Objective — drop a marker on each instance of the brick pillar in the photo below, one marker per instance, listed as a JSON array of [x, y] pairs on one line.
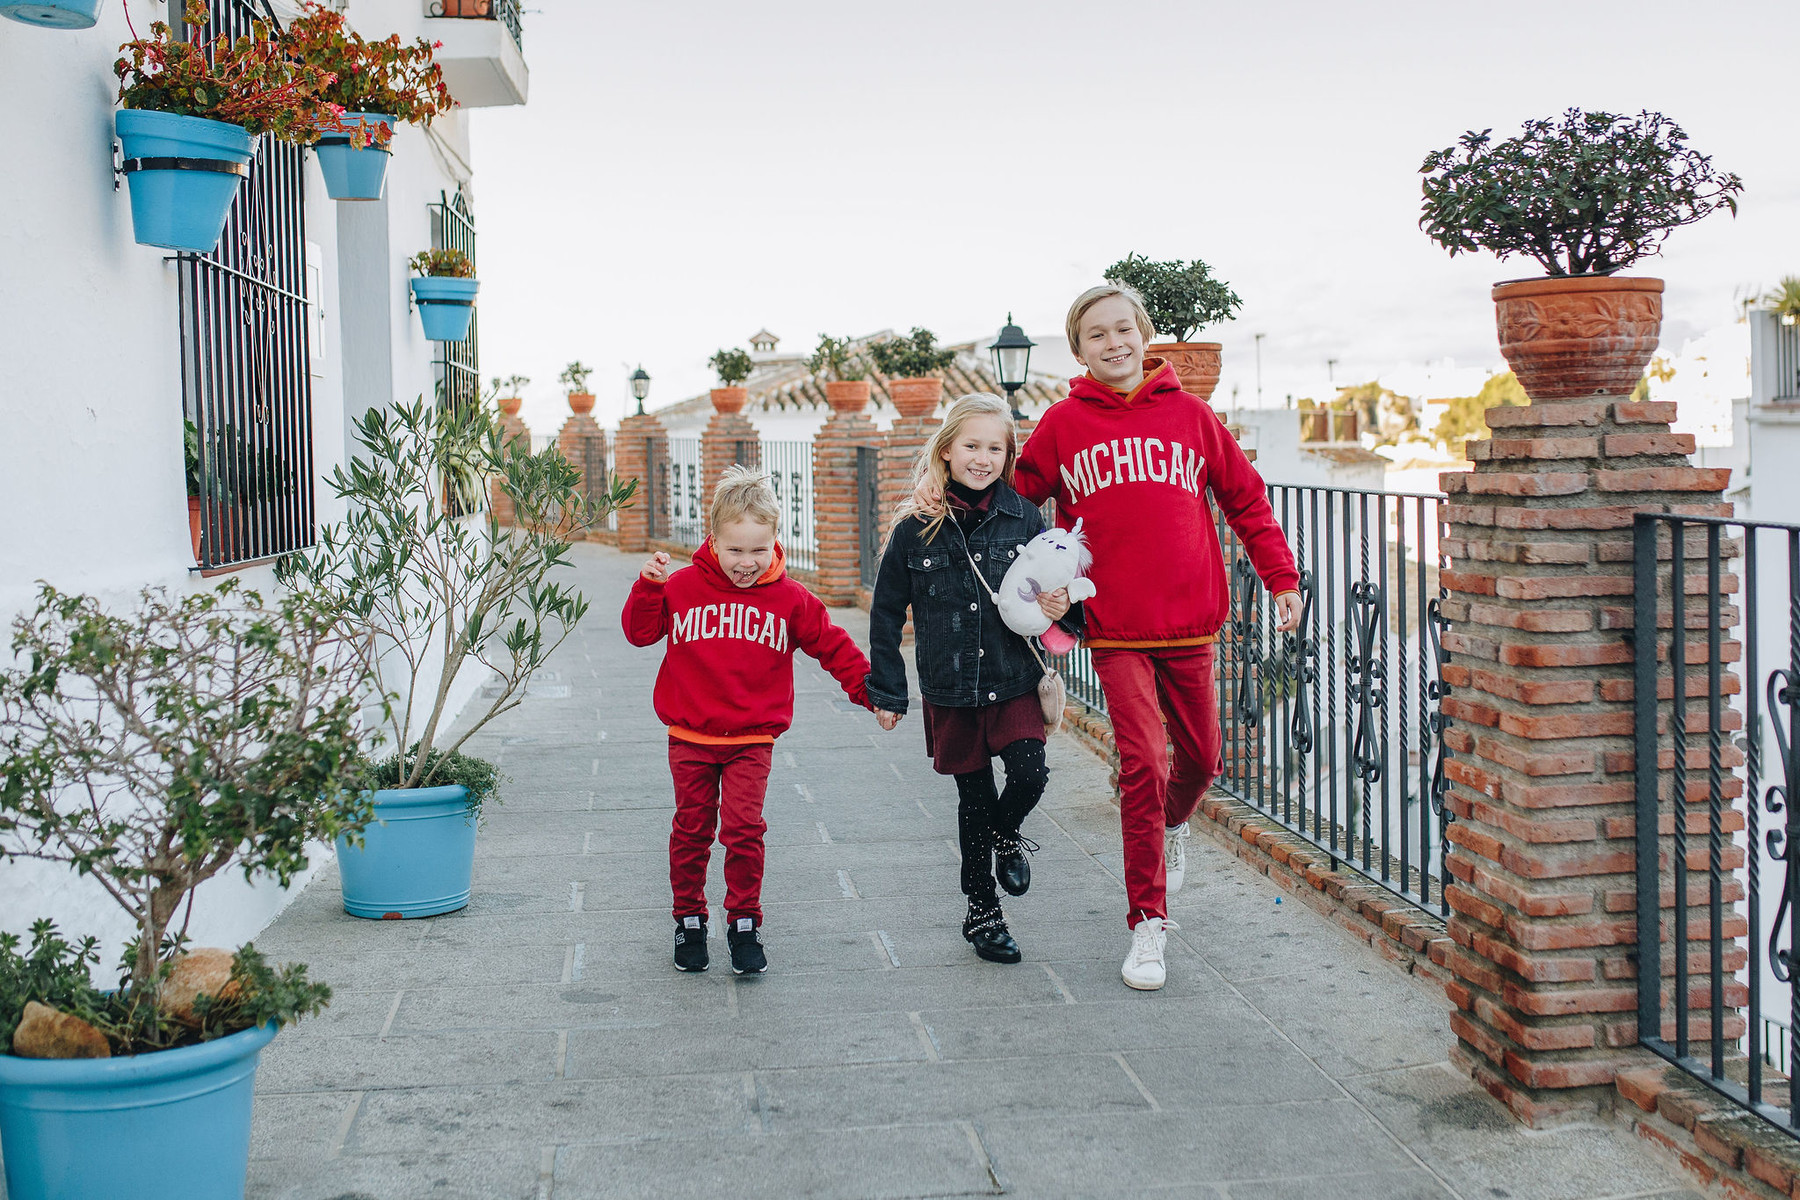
[[1542, 858], [636, 438], [512, 429], [836, 509], [916, 402], [729, 437], [580, 439]]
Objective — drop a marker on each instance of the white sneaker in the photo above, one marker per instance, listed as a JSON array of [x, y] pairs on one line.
[[1175, 857], [1144, 969]]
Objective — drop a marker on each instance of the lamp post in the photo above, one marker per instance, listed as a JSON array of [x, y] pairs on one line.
[[1012, 355], [640, 387], [1259, 338]]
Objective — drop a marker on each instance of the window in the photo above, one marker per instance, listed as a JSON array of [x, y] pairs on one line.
[[458, 364]]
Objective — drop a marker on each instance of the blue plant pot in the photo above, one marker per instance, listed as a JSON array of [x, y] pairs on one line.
[[55, 14], [417, 858], [352, 173], [182, 175], [446, 306], [172, 1125]]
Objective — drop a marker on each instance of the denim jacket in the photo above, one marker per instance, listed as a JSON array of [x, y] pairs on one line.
[[966, 655]]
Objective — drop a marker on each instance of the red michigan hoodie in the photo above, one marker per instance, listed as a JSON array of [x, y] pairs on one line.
[[1135, 470], [728, 674]]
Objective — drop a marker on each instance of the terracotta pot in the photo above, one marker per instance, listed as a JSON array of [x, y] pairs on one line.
[[1579, 335], [730, 399], [468, 8], [1196, 364], [847, 396], [510, 405], [916, 397], [581, 403], [194, 524]]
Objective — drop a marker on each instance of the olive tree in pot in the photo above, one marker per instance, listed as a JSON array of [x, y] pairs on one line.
[[150, 752], [846, 376], [1585, 195], [732, 367], [424, 584], [912, 365], [1181, 299]]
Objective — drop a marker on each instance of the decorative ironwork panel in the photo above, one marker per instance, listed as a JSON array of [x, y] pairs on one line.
[[457, 365], [789, 465], [868, 513], [685, 518]]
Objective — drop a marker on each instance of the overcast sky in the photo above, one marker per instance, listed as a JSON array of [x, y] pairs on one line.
[[687, 173]]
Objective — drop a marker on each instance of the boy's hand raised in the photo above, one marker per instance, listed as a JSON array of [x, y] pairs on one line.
[[656, 569], [886, 719]]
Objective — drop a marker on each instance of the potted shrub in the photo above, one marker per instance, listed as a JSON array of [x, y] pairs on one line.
[[191, 113], [420, 591], [845, 375], [445, 290], [1586, 196], [509, 393], [912, 364], [1182, 299], [150, 752], [574, 379], [733, 367], [375, 84]]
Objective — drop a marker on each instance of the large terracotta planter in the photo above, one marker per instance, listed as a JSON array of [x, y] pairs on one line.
[[847, 396], [580, 403], [916, 397], [510, 405], [730, 399], [1196, 364], [1578, 335]]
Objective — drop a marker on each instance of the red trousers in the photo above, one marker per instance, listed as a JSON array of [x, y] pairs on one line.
[[718, 788], [1143, 689]]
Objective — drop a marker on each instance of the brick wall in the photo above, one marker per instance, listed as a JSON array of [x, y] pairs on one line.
[[637, 434], [729, 437], [836, 508]]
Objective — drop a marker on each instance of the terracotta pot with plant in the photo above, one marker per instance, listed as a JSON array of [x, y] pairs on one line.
[[1182, 299], [912, 365], [845, 375], [732, 368], [1586, 196], [509, 393], [574, 379]]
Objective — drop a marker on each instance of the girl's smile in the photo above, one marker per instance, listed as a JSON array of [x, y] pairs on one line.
[[978, 454]]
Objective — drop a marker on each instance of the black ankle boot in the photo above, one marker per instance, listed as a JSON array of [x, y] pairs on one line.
[[1011, 867], [985, 929]]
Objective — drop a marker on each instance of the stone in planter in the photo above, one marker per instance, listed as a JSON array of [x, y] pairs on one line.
[[44, 1032], [203, 971], [1571, 336]]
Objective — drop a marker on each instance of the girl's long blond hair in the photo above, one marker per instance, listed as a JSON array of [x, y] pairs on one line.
[[931, 473]]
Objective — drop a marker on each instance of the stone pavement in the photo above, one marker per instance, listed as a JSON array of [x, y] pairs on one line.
[[540, 1045]]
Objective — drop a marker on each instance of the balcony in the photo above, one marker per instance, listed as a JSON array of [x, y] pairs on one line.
[[480, 51]]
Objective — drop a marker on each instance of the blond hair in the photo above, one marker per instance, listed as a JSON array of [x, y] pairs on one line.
[[744, 492], [1093, 296], [931, 473]]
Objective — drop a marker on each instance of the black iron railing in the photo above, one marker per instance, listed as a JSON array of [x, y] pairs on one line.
[[868, 514], [245, 354], [1706, 1000], [505, 11], [684, 492], [789, 465], [1334, 730], [457, 365]]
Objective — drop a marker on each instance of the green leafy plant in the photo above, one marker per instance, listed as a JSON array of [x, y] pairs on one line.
[[386, 76], [238, 466], [190, 455], [480, 777], [418, 589], [1181, 298], [195, 734], [1784, 298], [836, 359], [574, 377], [1590, 193], [501, 387], [732, 366], [441, 262], [912, 357], [253, 81]]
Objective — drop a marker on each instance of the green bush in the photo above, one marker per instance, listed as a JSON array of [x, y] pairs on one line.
[[835, 359], [1181, 298], [479, 776], [912, 357], [733, 366]]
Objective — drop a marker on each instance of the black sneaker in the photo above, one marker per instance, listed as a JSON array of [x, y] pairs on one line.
[[747, 957], [1011, 867], [690, 944], [985, 929]]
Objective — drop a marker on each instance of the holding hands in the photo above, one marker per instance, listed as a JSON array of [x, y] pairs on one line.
[[886, 719], [656, 568]]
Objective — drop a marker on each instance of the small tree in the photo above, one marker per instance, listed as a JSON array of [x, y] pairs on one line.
[[836, 359], [912, 357], [733, 366], [501, 387], [1589, 194], [1181, 298], [1465, 416], [416, 585], [574, 377], [154, 750]]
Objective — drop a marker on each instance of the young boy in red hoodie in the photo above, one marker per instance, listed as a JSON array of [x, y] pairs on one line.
[[1132, 456], [726, 692]]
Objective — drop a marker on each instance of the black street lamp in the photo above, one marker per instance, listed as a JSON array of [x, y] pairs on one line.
[[1012, 354], [640, 386]]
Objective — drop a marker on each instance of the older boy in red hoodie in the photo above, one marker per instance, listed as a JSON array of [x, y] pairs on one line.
[[1132, 456], [726, 692]]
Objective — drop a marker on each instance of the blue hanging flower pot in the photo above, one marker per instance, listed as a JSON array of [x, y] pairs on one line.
[[54, 14], [417, 857], [446, 306], [352, 172], [183, 173]]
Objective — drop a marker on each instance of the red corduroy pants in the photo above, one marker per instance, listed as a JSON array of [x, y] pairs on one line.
[[718, 788], [1143, 688]]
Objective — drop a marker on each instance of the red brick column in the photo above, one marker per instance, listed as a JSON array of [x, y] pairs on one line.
[[636, 436], [512, 429], [722, 443], [1543, 898], [916, 401], [580, 437], [836, 505]]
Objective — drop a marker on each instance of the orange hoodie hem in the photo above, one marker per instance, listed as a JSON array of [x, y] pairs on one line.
[[707, 739]]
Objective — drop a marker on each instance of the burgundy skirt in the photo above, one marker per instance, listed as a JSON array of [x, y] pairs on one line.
[[960, 740]]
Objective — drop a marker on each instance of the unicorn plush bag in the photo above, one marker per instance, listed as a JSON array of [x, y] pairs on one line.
[[1053, 559]]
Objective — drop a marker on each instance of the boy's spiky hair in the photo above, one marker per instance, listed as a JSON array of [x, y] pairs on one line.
[[1093, 296], [744, 492]]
